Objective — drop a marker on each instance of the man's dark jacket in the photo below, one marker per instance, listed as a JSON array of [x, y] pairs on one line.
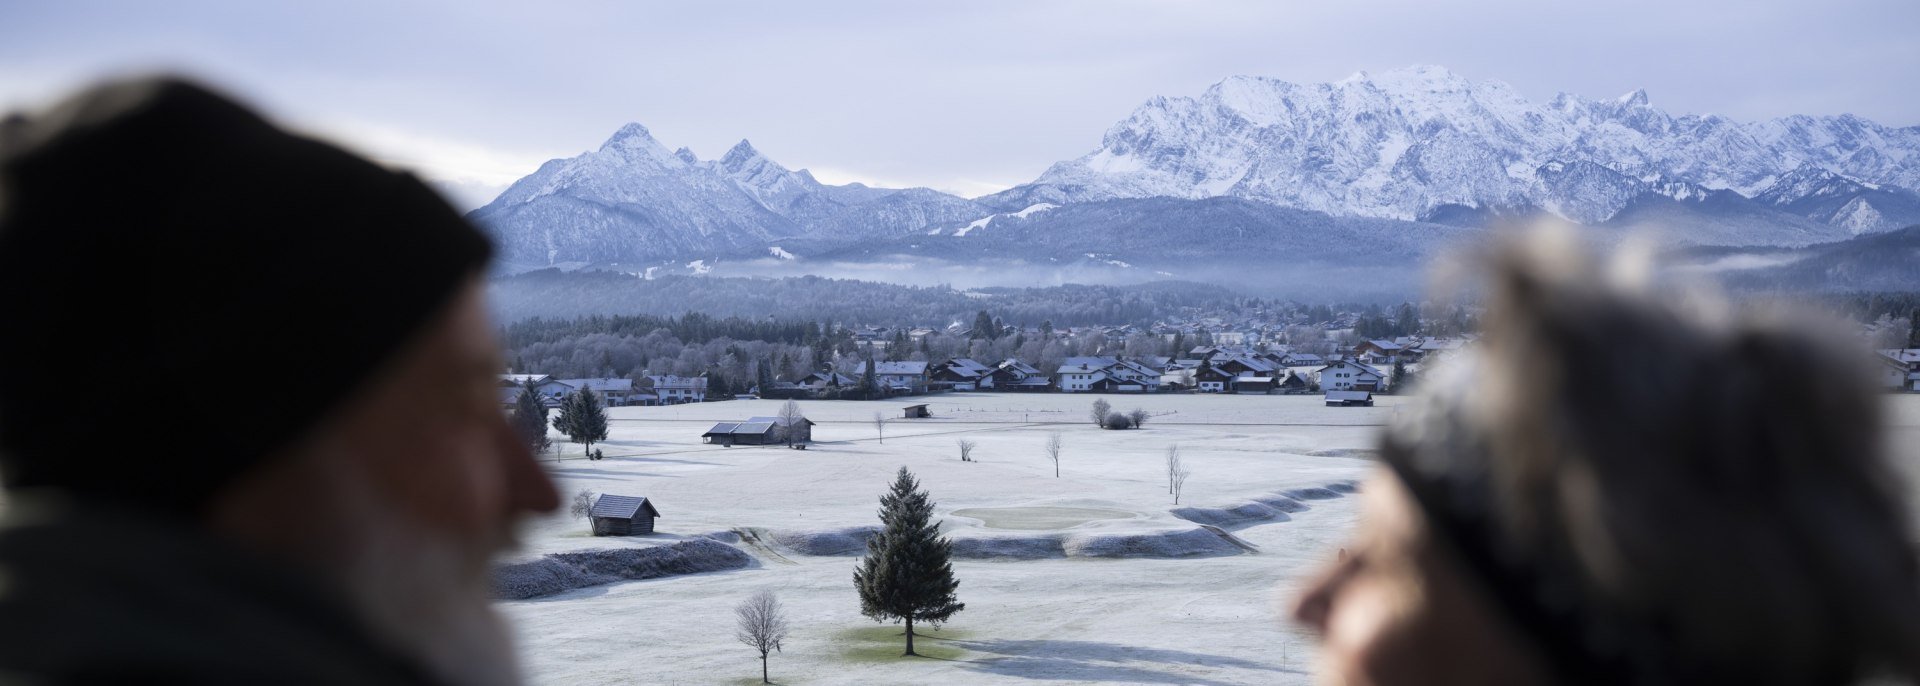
[[100, 595]]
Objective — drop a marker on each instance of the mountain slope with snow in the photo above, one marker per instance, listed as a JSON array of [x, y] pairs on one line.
[[1406, 143], [633, 202]]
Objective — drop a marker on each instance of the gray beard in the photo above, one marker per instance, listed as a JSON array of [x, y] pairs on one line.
[[424, 594]]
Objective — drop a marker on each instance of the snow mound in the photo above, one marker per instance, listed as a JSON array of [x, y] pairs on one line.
[[562, 572], [848, 541], [1316, 493], [1009, 547], [1231, 517], [1164, 544], [723, 536], [1261, 509], [1281, 503]]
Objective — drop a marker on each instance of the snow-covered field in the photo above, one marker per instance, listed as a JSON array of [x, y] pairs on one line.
[[1068, 600], [1120, 590]]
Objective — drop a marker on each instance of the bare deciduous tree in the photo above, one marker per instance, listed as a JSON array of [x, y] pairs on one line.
[[1173, 465], [763, 626], [582, 504], [790, 416], [1053, 452], [880, 426], [966, 449], [1100, 411], [1180, 473], [1138, 416]]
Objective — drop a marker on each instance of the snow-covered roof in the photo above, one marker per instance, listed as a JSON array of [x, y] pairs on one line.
[[898, 368], [776, 421], [622, 506], [601, 385]]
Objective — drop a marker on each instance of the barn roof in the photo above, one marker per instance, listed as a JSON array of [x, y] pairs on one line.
[[776, 421], [622, 506], [722, 428]]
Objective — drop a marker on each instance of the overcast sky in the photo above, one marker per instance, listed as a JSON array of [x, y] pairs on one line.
[[966, 97]]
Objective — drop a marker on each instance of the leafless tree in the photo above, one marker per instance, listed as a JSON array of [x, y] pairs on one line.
[[790, 417], [966, 450], [1100, 411], [763, 626], [880, 426], [1138, 416], [1186, 379], [1180, 474], [1173, 465], [1053, 452], [582, 504]]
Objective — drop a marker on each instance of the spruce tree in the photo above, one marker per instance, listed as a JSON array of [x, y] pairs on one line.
[[869, 384], [582, 419], [907, 574], [530, 419]]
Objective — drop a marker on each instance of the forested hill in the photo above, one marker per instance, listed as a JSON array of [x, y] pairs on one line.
[[551, 293]]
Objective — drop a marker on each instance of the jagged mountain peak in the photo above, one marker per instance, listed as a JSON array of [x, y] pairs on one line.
[[633, 143], [1636, 98], [686, 155], [743, 157]]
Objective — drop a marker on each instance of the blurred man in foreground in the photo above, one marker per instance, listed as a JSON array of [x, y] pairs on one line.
[[248, 431], [1620, 489]]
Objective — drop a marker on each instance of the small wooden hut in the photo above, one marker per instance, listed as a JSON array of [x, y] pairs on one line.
[[622, 515], [917, 412]]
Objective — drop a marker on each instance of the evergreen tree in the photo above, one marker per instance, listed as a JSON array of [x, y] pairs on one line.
[[982, 326], [907, 574], [869, 384], [582, 419], [530, 419], [1402, 379], [1913, 329]]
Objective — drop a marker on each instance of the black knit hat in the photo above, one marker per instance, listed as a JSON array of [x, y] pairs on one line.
[[185, 289]]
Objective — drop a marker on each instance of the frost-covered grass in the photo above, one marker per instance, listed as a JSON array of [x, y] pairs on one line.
[[1149, 598], [1088, 577]]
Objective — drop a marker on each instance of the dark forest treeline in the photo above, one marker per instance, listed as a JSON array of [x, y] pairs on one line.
[[554, 294]]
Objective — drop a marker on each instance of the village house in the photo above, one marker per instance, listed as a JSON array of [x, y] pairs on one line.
[[611, 392], [678, 390], [1014, 375], [1900, 369], [549, 389], [903, 376], [760, 431], [622, 515], [1105, 375], [1350, 375], [1378, 351], [961, 374]]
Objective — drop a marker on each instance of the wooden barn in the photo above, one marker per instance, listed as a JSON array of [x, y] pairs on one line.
[[1349, 399], [759, 431], [916, 412], [622, 515]]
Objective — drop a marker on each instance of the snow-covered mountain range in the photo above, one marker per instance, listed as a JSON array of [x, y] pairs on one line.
[[634, 202], [1419, 146], [1416, 142]]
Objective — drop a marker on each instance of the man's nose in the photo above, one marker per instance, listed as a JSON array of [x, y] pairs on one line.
[[530, 488]]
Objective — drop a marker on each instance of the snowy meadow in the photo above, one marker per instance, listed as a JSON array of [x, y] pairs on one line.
[[1092, 576]]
